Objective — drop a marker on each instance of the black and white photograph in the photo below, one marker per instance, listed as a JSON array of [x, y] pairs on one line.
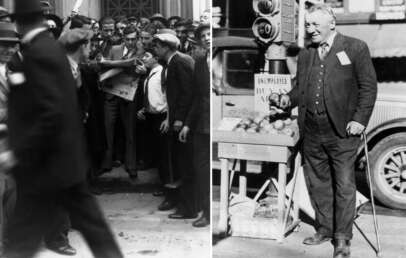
[[308, 128], [105, 128]]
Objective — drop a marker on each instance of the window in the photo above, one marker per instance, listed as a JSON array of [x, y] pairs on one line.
[[137, 8]]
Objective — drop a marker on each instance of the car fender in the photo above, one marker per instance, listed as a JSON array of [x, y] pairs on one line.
[[377, 133]]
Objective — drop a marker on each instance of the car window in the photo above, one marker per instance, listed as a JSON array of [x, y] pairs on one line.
[[239, 67]]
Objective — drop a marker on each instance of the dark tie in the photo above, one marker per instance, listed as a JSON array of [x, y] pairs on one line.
[[323, 50], [163, 78]]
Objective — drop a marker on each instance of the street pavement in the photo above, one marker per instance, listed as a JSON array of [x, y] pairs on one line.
[[392, 228], [139, 228]]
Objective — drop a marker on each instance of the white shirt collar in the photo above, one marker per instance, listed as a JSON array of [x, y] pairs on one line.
[[73, 63], [330, 39], [28, 37], [156, 69]]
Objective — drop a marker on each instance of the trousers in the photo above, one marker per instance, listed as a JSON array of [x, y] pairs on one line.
[[33, 213], [329, 166]]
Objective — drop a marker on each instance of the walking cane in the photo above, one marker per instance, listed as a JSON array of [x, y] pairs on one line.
[[377, 249]]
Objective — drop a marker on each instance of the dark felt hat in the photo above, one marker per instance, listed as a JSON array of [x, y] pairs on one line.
[[8, 32], [159, 17], [26, 7]]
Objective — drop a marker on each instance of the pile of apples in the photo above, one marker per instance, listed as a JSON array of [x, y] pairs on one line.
[[266, 125]]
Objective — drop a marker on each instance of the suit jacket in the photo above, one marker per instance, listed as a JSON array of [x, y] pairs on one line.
[[179, 87], [46, 134], [350, 90], [198, 118]]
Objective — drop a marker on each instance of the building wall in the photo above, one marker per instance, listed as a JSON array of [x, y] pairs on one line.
[[93, 8]]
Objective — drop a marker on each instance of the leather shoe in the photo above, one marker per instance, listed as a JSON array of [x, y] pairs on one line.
[[178, 215], [133, 174], [201, 222], [317, 239], [166, 206], [342, 248], [65, 249], [158, 193]]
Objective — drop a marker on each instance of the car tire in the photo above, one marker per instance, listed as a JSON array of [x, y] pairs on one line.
[[388, 170]]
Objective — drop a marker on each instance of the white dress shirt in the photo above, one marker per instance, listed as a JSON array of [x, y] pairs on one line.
[[156, 98]]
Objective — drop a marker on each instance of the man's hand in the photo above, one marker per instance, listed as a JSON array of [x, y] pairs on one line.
[[274, 99], [355, 128], [141, 114], [284, 101], [164, 126], [177, 125], [183, 134], [141, 69], [7, 160]]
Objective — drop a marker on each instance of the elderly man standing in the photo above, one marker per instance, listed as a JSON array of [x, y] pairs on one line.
[[335, 94], [47, 153]]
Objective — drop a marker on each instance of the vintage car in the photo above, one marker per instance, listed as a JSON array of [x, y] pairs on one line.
[[236, 59]]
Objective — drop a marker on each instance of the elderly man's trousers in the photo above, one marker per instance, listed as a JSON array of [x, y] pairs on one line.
[[330, 175]]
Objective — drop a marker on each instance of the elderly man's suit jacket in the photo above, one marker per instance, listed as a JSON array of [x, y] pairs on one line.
[[179, 86], [45, 130], [350, 90]]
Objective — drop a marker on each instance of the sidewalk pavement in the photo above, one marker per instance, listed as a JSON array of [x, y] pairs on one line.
[[139, 228]]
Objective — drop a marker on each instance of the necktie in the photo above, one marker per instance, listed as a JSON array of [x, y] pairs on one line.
[[163, 78], [323, 50]]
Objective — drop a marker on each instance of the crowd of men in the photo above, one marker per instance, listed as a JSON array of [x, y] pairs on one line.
[[80, 97]]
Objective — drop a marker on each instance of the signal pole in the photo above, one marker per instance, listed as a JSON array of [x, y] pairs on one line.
[[274, 26]]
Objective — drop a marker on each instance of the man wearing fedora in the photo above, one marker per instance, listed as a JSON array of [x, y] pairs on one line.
[[8, 46], [47, 153], [177, 81]]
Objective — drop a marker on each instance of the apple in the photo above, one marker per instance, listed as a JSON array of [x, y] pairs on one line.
[[288, 131], [287, 121], [278, 124]]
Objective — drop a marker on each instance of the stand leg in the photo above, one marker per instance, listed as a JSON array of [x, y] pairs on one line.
[[223, 220], [243, 178], [282, 171]]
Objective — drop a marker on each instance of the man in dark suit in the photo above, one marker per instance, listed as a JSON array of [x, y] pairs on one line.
[[336, 92], [47, 153], [178, 85], [198, 121]]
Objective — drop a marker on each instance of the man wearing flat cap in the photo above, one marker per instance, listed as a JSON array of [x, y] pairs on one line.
[[178, 85], [46, 144]]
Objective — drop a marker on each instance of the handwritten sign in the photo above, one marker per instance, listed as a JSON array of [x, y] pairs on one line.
[[265, 85]]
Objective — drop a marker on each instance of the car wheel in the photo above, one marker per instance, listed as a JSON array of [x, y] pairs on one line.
[[388, 170]]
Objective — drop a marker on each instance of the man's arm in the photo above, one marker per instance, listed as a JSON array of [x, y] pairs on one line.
[[184, 71], [367, 85]]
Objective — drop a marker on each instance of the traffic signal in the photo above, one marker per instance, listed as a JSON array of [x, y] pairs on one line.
[[276, 20]]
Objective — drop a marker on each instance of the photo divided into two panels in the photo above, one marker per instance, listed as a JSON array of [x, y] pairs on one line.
[[308, 146], [105, 128]]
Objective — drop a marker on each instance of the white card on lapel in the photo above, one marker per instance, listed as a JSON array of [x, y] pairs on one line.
[[343, 58]]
